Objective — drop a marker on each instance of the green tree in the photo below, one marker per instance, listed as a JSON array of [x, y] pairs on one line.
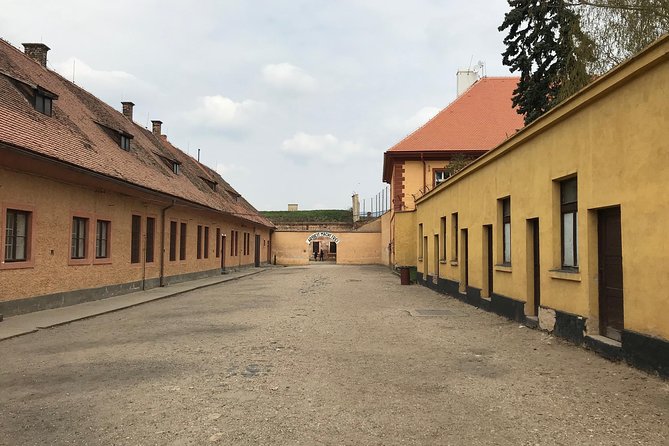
[[546, 45], [621, 28]]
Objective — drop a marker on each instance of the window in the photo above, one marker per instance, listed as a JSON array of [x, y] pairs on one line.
[[442, 235], [440, 175], [333, 247], [182, 242], [232, 243], [176, 167], [218, 242], [16, 236], [173, 241], [247, 243], [43, 103], [236, 243], [420, 241], [199, 241], [79, 229], [102, 239], [506, 230], [150, 238], [206, 242], [454, 236], [135, 240], [125, 142], [569, 222]]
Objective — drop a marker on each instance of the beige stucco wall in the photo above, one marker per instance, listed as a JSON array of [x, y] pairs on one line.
[[53, 205], [354, 248], [615, 138]]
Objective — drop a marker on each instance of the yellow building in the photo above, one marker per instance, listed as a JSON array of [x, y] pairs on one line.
[[93, 204], [560, 226], [480, 118]]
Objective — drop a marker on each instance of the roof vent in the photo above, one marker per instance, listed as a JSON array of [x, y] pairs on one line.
[[127, 109], [157, 127], [37, 52]]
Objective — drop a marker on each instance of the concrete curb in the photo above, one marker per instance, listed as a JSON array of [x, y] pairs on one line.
[[24, 324]]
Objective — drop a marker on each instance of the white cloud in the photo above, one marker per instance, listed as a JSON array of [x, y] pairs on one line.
[[226, 169], [328, 148], [219, 111], [85, 74], [285, 76], [420, 117]]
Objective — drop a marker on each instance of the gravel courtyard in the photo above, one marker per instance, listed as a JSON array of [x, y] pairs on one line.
[[321, 354]]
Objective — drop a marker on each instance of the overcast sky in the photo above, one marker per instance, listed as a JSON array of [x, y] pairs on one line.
[[292, 101]]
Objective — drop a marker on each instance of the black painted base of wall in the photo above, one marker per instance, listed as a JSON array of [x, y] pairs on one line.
[[570, 327], [641, 351], [645, 352], [64, 299]]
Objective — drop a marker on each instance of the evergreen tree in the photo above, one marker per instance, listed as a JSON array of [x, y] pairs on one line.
[[546, 46]]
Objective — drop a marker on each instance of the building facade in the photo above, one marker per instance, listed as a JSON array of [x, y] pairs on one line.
[[480, 118], [560, 226], [95, 205]]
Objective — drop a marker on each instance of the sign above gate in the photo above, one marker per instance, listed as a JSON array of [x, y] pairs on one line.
[[316, 235]]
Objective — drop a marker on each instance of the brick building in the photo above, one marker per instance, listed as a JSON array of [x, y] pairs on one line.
[[95, 205]]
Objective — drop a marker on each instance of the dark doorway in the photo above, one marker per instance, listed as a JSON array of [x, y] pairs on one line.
[[223, 238], [465, 259], [316, 249], [257, 251], [536, 278], [426, 271], [489, 258], [611, 311], [435, 278]]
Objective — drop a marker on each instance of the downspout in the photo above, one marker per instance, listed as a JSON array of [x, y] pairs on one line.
[[162, 244], [424, 173]]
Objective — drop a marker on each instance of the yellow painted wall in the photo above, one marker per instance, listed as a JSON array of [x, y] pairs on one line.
[[354, 248], [53, 205], [615, 137], [405, 237]]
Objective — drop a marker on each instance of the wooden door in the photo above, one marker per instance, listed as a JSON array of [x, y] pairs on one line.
[[611, 311], [435, 279], [465, 258], [426, 271], [223, 252], [536, 265], [489, 258], [257, 251]]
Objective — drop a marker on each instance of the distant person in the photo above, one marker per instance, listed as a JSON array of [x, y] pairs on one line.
[[321, 255], [315, 256]]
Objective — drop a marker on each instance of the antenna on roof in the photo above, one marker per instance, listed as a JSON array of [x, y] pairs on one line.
[[198, 155], [470, 63], [74, 66]]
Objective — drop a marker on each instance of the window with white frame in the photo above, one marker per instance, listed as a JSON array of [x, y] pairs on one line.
[[569, 222]]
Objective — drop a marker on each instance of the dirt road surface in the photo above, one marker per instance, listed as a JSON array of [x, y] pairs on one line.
[[316, 355]]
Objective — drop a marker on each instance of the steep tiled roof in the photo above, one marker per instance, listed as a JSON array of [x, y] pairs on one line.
[[479, 119], [79, 133]]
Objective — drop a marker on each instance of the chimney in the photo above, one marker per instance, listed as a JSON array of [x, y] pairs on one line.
[[157, 127], [355, 208], [37, 52], [127, 109], [466, 78]]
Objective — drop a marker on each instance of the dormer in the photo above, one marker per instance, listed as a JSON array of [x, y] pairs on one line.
[[44, 100], [174, 165], [121, 137], [212, 184]]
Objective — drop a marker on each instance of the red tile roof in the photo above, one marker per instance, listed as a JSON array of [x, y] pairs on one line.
[[78, 134], [479, 119]]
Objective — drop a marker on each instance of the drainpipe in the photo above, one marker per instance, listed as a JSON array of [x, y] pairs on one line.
[[162, 244], [424, 172]]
